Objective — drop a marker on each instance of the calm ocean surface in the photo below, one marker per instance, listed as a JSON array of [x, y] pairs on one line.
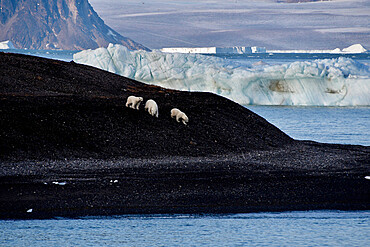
[[345, 125], [348, 125], [311, 228]]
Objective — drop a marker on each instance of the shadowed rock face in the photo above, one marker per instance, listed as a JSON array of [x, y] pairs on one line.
[[57, 24]]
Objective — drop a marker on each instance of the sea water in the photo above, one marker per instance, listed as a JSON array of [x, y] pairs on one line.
[[343, 125], [50, 54], [348, 125], [310, 228]]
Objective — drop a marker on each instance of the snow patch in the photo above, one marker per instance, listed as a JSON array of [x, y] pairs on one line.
[[60, 183], [6, 45], [111, 33]]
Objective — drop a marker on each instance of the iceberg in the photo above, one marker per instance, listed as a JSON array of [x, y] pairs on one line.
[[336, 50], [323, 82], [353, 49], [6, 45], [357, 48]]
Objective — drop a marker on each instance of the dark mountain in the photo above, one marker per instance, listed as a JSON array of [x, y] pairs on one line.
[[56, 24]]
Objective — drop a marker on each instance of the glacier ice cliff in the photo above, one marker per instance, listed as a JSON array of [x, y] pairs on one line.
[[326, 82]]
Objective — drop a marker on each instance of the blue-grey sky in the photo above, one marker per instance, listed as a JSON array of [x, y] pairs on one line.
[[269, 23]]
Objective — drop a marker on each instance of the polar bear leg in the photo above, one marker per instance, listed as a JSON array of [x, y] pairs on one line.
[[129, 103], [153, 112], [137, 105]]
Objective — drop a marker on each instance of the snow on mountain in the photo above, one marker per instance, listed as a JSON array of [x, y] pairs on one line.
[[328, 82], [57, 24], [6, 45]]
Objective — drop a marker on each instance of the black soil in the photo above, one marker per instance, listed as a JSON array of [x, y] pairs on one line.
[[67, 123]]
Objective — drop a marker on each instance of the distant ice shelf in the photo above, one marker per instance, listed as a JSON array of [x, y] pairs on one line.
[[353, 49], [216, 50]]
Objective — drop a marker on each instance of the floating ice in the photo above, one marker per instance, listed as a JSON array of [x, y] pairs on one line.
[[357, 48], [353, 49], [29, 210], [326, 82], [367, 177]]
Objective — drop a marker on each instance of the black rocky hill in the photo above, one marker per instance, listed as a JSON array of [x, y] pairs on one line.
[[70, 147], [57, 109]]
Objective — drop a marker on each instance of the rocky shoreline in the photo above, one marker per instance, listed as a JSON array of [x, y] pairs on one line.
[[69, 147]]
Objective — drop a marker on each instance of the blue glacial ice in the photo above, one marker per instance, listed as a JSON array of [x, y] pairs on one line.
[[323, 82]]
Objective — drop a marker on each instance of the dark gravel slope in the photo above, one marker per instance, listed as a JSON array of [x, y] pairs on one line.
[[70, 147], [53, 109]]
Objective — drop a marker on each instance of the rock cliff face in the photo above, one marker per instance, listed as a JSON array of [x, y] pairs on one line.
[[56, 24]]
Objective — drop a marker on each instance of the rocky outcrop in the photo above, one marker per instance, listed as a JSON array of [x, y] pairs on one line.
[[56, 24]]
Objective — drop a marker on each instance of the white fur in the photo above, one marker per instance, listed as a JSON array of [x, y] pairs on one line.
[[179, 115], [134, 102], [152, 107]]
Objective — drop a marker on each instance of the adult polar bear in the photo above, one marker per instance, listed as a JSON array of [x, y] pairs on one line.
[[179, 115], [134, 102], [152, 108]]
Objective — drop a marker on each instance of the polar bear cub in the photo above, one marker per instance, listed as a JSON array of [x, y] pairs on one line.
[[134, 102], [152, 107], [179, 115]]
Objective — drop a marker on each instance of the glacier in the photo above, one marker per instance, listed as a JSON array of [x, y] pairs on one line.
[[323, 82]]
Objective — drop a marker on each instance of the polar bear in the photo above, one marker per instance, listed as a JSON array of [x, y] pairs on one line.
[[134, 102], [179, 115], [151, 107]]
